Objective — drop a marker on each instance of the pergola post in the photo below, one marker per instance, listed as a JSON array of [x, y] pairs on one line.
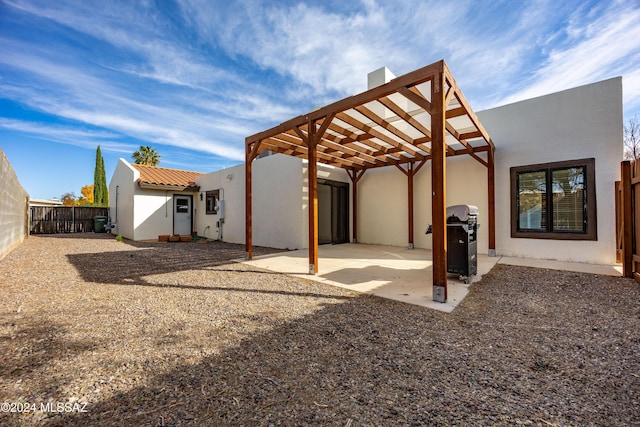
[[354, 219], [355, 176], [491, 193], [410, 174], [251, 153], [312, 180], [439, 187]]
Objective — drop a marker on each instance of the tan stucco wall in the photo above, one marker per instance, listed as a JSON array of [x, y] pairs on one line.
[[14, 208]]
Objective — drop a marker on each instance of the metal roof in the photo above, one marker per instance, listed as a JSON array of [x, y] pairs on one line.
[[165, 178]]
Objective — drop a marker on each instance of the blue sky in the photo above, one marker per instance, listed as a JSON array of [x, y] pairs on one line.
[[193, 78]]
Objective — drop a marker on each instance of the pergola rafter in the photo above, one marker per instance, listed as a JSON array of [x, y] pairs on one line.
[[418, 117]]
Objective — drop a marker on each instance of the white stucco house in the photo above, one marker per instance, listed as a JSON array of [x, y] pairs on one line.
[[556, 160], [147, 201]]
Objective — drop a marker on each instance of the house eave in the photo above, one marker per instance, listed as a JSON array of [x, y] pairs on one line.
[[152, 186]]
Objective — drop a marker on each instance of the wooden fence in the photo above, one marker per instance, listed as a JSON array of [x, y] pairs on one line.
[[63, 219], [628, 218]]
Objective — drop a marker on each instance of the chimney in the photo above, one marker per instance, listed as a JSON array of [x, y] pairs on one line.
[[379, 77]]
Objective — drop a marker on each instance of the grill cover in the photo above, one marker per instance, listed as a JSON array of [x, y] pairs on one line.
[[462, 212]]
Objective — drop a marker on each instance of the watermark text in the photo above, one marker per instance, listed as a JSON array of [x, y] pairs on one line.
[[51, 407]]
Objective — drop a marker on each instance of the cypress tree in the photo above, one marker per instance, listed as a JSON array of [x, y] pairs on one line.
[[100, 191]]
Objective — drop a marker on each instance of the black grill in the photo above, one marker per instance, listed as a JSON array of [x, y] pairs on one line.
[[462, 241]]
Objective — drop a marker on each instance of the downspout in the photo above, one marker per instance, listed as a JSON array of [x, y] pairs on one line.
[[117, 230], [221, 208], [117, 191]]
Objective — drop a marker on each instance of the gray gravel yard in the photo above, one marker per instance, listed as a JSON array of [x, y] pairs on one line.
[[177, 334]]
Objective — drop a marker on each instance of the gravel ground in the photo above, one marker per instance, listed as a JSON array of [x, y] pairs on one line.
[[175, 334]]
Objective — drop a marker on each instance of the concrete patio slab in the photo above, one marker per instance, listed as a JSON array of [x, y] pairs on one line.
[[386, 271]]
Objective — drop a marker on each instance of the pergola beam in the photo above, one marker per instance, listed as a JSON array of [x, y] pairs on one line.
[[413, 78], [407, 117], [383, 123], [464, 104], [379, 135], [413, 95], [300, 151]]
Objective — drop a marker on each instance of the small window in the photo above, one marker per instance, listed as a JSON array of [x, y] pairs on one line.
[[212, 202], [554, 200], [182, 205]]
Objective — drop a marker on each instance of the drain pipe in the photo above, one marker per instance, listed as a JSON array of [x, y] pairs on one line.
[[220, 214], [115, 226]]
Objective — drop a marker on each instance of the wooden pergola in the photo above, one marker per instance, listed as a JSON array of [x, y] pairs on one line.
[[417, 117]]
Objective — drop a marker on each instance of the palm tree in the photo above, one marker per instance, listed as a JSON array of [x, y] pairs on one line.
[[146, 156]]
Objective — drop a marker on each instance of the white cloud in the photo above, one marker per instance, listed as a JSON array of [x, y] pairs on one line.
[[608, 46], [140, 30], [74, 94], [322, 50], [84, 138], [631, 92]]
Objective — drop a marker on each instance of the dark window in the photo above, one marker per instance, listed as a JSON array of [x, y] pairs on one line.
[[212, 202], [182, 205], [554, 200]]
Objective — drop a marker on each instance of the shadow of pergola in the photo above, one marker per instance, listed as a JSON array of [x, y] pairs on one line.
[[146, 261]]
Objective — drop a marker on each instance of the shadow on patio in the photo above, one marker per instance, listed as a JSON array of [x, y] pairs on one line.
[[386, 271]]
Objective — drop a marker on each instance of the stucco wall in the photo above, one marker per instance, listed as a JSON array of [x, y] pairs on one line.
[[231, 183], [577, 123], [382, 207], [121, 191], [279, 200], [383, 202], [153, 214], [14, 208], [278, 203]]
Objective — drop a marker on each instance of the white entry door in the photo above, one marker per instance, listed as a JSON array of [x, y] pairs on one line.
[[182, 215]]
